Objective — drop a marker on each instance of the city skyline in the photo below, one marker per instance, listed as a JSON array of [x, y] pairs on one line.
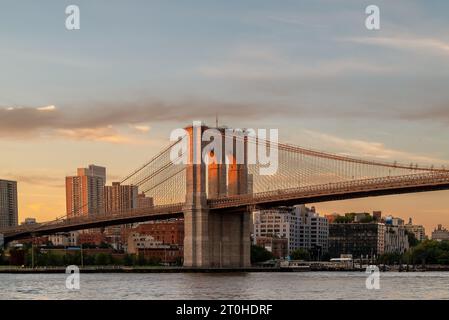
[[111, 93]]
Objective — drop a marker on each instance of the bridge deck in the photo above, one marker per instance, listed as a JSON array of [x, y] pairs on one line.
[[311, 194]]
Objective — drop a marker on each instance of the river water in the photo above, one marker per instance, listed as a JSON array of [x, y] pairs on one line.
[[296, 285]]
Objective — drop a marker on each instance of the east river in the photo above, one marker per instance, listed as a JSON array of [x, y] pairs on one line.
[[294, 285]]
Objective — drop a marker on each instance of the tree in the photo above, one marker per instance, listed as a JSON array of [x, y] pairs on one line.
[[342, 219], [390, 258], [102, 259], [127, 260], [431, 252], [300, 254], [2, 256], [367, 219], [260, 254], [412, 241]]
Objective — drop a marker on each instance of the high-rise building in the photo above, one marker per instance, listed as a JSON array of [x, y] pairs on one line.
[[85, 192], [417, 230], [120, 197], [440, 233], [143, 201], [8, 204]]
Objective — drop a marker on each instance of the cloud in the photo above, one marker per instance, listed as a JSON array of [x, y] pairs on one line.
[[414, 43], [101, 121], [141, 128], [107, 134], [369, 149], [47, 108], [36, 178]]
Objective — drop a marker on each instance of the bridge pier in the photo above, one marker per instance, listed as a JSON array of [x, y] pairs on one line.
[[212, 239], [220, 240]]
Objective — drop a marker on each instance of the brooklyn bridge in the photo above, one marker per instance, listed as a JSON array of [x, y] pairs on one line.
[[215, 198]]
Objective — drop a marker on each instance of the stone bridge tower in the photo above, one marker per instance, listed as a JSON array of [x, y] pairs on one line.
[[214, 239]]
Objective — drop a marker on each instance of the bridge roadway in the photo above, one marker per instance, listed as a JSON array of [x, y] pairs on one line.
[[312, 194]]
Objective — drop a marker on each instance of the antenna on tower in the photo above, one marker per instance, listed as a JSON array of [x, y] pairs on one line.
[[216, 120]]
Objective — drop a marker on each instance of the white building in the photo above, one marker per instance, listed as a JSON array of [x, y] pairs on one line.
[[66, 239], [59, 239], [396, 239], [301, 226], [417, 230], [138, 241]]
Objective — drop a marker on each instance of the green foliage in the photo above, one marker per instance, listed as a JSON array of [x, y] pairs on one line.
[[431, 252], [412, 241], [128, 260], [102, 259], [300, 254], [2, 257], [260, 254], [343, 219], [390, 258], [367, 219]]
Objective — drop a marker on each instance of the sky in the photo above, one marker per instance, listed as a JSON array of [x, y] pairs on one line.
[[111, 92]]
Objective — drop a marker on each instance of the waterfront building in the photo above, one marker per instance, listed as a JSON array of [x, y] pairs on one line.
[[85, 191], [440, 233], [301, 226], [149, 247], [396, 239], [59, 239], [73, 238], [8, 204], [138, 241], [277, 246], [367, 239], [93, 238], [417, 230], [166, 231]]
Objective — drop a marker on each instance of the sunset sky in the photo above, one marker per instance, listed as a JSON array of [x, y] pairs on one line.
[[110, 93]]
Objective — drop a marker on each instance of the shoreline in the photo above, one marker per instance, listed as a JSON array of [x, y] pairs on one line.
[[120, 269]]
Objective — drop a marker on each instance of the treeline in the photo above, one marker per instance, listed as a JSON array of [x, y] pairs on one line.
[[42, 259], [425, 252]]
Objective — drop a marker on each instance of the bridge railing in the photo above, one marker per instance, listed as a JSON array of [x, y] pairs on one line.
[[94, 218], [384, 182]]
